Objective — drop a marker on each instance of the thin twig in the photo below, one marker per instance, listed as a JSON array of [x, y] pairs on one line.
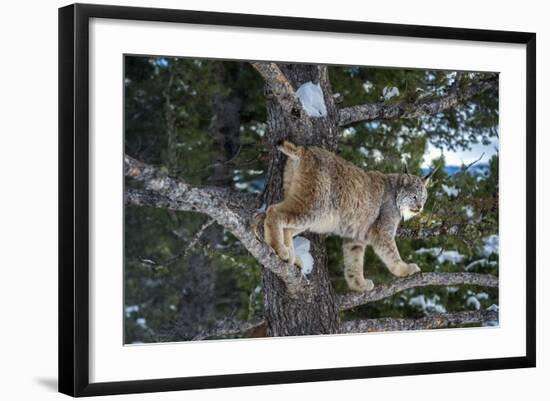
[[474, 162]]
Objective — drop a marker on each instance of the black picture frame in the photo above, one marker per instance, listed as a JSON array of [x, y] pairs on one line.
[[74, 198]]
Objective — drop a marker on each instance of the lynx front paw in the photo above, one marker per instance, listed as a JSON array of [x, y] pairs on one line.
[[406, 269], [412, 268]]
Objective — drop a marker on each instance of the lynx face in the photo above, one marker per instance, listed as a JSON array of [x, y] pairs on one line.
[[411, 196]]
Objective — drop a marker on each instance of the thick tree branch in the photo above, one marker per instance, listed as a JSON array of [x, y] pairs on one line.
[[416, 280], [231, 210], [380, 111], [435, 321], [432, 321], [284, 92]]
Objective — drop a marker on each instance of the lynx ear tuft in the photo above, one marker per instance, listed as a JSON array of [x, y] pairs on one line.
[[428, 177]]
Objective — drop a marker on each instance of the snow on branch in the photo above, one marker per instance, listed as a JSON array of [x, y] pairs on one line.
[[283, 91], [349, 301], [434, 321], [381, 111], [232, 210]]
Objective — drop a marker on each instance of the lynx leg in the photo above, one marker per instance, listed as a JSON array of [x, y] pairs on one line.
[[353, 266], [386, 249], [273, 232], [289, 233]]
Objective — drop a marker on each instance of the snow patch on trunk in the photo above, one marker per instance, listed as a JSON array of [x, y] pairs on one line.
[[312, 99], [301, 249]]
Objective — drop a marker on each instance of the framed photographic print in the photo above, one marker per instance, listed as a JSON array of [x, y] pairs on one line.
[[249, 199]]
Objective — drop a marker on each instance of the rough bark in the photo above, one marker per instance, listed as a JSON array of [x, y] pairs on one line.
[[227, 328], [316, 313], [416, 280], [435, 321], [381, 111]]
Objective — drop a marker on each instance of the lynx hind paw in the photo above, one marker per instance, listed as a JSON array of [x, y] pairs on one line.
[[298, 262], [360, 284], [282, 252]]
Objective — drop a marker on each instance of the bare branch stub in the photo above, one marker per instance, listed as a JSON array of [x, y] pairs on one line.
[[381, 111], [350, 301], [434, 321]]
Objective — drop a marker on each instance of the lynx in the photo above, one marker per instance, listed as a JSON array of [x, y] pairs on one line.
[[326, 194]]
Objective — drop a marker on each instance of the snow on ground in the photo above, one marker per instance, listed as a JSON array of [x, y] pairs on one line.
[[405, 157], [368, 86], [450, 256], [378, 157], [428, 304], [450, 191], [128, 310], [442, 256], [390, 91], [312, 99], [301, 249], [349, 131], [490, 245], [473, 301], [469, 211]]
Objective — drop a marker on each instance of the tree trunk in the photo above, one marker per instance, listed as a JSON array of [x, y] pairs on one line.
[[315, 313]]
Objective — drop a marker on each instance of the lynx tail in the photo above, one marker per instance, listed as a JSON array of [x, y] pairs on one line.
[[291, 150]]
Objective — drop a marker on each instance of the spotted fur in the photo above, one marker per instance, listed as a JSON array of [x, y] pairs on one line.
[[326, 194]]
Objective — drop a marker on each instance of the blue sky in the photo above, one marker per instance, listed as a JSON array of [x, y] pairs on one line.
[[457, 158]]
